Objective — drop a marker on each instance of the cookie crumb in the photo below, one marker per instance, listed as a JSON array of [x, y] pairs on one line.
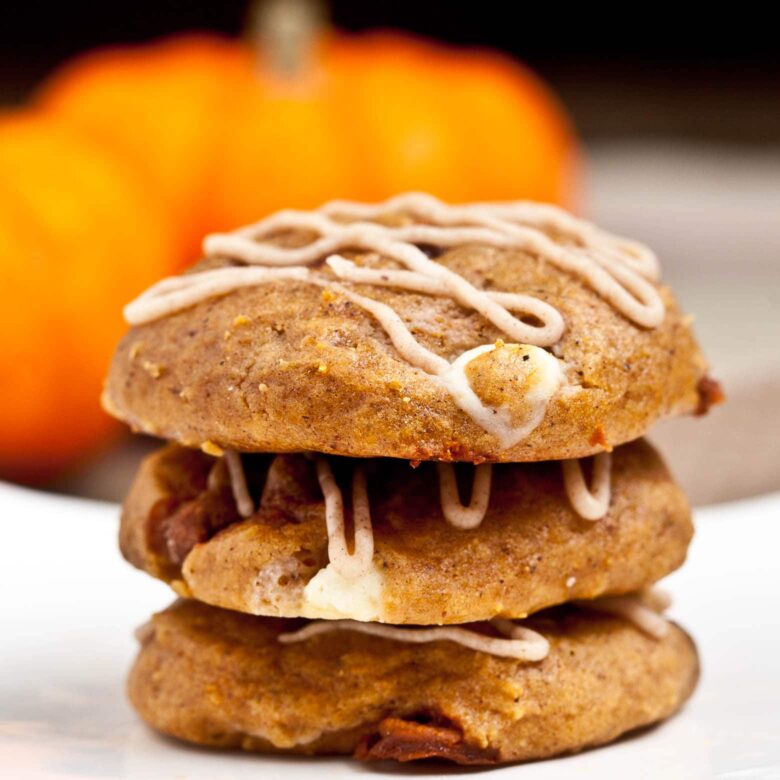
[[212, 449], [180, 588], [599, 438], [155, 370], [213, 694], [240, 320], [710, 394]]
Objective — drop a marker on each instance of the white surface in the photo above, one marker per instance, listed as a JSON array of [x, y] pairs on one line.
[[69, 605], [713, 216]]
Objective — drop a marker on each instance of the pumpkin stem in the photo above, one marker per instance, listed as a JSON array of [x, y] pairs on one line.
[[283, 33]]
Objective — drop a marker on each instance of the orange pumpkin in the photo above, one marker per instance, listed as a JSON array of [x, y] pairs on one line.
[[155, 106], [80, 234], [226, 138], [379, 114], [147, 148]]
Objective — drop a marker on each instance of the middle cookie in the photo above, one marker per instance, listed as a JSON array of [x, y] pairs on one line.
[[423, 552]]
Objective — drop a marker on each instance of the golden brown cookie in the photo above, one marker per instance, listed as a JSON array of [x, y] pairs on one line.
[[531, 551], [297, 364], [222, 679]]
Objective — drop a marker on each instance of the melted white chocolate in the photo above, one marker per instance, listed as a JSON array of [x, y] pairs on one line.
[[331, 596], [590, 504], [618, 270], [547, 378], [352, 585]]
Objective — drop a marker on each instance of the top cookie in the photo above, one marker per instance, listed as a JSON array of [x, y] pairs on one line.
[[411, 329]]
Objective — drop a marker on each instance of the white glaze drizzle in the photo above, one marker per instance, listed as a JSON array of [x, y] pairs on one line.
[[544, 335], [402, 338], [589, 503], [656, 598], [519, 642], [641, 609], [539, 215], [178, 292], [357, 563], [244, 503], [618, 270], [457, 515]]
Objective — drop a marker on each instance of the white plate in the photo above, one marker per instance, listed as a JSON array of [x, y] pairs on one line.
[[69, 605]]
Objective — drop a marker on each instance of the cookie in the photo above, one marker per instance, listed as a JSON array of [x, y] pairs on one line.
[[222, 679], [414, 330], [532, 549]]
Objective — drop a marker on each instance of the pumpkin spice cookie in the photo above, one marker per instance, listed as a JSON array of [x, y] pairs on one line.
[[429, 559], [411, 329], [344, 594], [577, 678]]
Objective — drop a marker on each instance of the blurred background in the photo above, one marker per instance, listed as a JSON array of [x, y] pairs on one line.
[[196, 116]]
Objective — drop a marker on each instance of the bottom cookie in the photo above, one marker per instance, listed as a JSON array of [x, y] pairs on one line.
[[223, 679]]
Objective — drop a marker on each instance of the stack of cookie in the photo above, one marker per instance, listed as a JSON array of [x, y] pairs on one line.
[[390, 503]]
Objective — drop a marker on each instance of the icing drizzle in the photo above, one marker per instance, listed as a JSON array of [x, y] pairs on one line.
[[520, 642], [455, 513], [642, 609], [349, 565], [590, 504], [620, 271]]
